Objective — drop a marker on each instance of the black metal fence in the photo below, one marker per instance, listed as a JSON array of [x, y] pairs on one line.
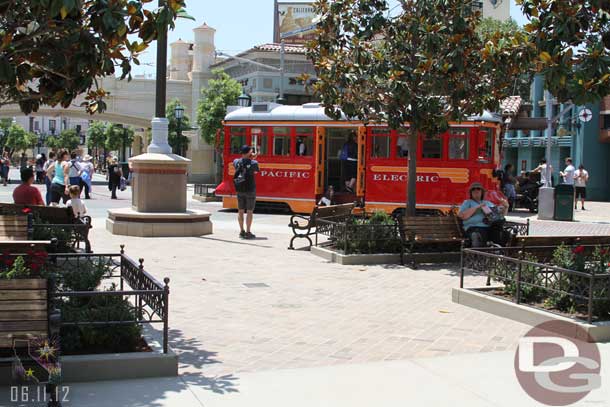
[[122, 278], [360, 235], [529, 278]]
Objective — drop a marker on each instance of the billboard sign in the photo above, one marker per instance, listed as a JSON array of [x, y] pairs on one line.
[[294, 22]]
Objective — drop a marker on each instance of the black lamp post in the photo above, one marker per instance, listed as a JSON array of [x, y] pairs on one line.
[[179, 114], [244, 99]]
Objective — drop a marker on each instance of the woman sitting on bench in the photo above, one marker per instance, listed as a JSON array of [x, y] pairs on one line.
[[473, 213]]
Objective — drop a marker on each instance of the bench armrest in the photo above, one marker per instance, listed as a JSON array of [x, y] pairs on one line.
[[294, 223]]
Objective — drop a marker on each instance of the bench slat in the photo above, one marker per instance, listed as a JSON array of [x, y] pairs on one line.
[[22, 326], [30, 305], [21, 315], [23, 294]]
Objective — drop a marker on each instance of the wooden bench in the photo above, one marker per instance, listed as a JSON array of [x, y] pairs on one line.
[[48, 221], [15, 235], [417, 231], [305, 226]]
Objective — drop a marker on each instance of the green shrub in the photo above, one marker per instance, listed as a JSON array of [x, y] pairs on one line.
[[376, 234]]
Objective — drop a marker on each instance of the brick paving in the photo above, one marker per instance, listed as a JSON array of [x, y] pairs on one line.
[[239, 306]]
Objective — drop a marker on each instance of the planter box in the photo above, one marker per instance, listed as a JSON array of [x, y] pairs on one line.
[[381, 258], [111, 366], [479, 299], [23, 309]]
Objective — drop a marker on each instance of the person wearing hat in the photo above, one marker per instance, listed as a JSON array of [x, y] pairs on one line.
[[114, 177], [86, 175], [245, 186], [473, 211]]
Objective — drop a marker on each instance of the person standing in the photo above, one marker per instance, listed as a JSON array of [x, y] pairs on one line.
[[508, 185], [568, 173], [23, 162], [49, 171], [61, 179], [6, 167], [544, 169], [26, 194], [581, 177], [114, 177], [87, 175], [349, 158], [245, 185]]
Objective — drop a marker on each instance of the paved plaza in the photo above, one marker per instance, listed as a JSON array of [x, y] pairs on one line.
[[257, 324]]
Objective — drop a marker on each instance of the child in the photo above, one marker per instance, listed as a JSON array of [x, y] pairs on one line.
[[78, 206]]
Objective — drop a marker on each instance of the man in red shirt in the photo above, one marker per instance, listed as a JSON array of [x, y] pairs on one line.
[[26, 194]]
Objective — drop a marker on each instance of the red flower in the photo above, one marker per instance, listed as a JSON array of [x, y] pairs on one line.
[[603, 252], [578, 250], [8, 261], [26, 210]]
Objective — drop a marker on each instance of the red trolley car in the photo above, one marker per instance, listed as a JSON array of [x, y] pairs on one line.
[[299, 150]]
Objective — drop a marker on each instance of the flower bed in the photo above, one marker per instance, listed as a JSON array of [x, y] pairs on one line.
[[377, 233], [572, 281]]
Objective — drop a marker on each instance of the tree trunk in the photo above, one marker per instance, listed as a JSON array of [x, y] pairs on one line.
[[412, 173]]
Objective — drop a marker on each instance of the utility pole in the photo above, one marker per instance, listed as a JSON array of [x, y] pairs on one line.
[[281, 99]]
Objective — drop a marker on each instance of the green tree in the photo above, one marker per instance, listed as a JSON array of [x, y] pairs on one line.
[[179, 143], [64, 45], [572, 42], [425, 65], [222, 91], [19, 140], [96, 140], [119, 138], [68, 139], [5, 124]]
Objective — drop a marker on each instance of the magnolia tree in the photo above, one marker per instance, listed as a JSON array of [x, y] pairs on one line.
[[52, 51], [426, 65], [572, 42]]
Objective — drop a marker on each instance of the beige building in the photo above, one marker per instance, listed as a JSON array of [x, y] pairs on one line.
[[498, 9], [133, 102]]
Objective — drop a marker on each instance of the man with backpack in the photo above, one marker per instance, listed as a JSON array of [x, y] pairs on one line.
[[245, 186]]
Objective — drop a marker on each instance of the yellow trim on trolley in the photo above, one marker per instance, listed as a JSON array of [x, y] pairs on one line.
[[277, 166], [456, 175]]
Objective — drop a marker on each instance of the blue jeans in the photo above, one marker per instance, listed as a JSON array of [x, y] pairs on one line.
[[47, 182]]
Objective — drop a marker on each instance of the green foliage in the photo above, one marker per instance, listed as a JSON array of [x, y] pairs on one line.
[[18, 139], [376, 234], [571, 40], [427, 65], [178, 143], [96, 135], [222, 91], [31, 266], [18, 270], [68, 139], [63, 46], [118, 136], [529, 278]]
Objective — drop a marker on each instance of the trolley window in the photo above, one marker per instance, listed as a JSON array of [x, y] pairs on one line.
[[281, 141], [238, 139], [486, 144], [459, 143], [402, 143], [304, 144], [432, 146], [260, 140], [381, 142]]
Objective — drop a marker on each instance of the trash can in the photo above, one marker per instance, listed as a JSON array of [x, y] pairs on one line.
[[564, 202]]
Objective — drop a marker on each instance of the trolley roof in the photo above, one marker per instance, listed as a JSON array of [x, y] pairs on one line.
[[313, 112]]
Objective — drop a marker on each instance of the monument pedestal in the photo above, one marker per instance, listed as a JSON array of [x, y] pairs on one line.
[[158, 201]]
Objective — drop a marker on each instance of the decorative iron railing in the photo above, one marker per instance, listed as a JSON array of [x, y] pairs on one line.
[[528, 277]]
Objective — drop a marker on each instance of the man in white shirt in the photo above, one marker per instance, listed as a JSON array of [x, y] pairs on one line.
[[568, 173], [543, 168], [581, 177]]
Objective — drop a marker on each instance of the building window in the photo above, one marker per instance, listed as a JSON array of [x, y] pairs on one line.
[[606, 121], [36, 125], [267, 83], [432, 146], [458, 144]]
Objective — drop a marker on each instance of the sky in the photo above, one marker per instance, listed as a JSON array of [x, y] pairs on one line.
[[239, 24]]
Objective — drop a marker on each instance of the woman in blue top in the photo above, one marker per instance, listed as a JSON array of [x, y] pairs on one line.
[[472, 212], [61, 180]]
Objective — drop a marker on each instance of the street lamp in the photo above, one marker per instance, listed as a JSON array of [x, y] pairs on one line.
[[179, 114], [244, 99]]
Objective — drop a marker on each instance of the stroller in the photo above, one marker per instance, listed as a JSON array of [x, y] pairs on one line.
[[527, 193]]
